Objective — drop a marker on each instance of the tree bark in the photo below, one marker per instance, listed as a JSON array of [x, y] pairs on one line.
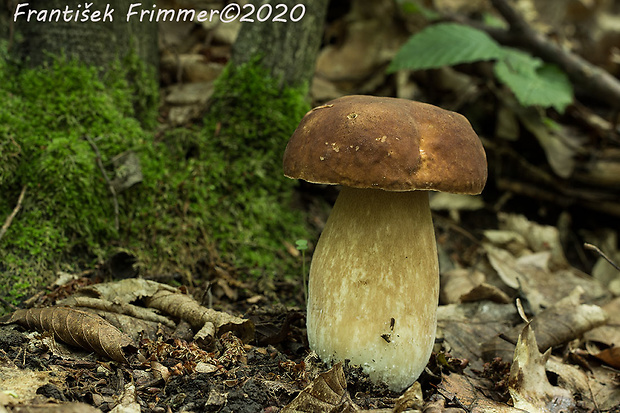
[[5, 18], [288, 49], [97, 43]]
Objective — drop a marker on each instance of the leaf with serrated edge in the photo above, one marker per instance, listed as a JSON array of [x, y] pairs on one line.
[[533, 82], [528, 385], [445, 44]]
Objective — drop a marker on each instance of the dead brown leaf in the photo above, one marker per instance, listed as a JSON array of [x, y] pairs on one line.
[[124, 291], [208, 321], [77, 328], [462, 285], [528, 257], [564, 321], [127, 402], [462, 327], [529, 387], [138, 328], [362, 46], [597, 389], [608, 334], [118, 296], [411, 398], [134, 311], [464, 391], [611, 356], [326, 394]]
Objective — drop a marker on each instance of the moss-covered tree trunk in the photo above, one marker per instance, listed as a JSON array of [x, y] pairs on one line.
[[63, 121], [288, 49], [256, 105], [94, 39]]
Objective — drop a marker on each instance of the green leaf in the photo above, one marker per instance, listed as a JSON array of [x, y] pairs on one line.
[[414, 7], [301, 244], [445, 44], [534, 82]]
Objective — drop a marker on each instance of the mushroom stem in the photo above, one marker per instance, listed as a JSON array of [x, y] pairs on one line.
[[374, 285]]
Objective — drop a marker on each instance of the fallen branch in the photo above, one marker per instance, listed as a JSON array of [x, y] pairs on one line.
[[534, 182], [9, 219], [107, 180], [597, 81], [562, 198]]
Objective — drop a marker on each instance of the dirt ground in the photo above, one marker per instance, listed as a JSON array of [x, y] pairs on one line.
[[172, 373]]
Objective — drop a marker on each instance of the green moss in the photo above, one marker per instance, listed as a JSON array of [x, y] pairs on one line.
[[251, 120], [214, 190], [46, 114], [223, 185]]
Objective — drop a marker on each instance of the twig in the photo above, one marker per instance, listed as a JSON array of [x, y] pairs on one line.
[[456, 228], [597, 81], [19, 148], [9, 219], [521, 311], [8, 304], [602, 254], [526, 169], [107, 180], [559, 196]]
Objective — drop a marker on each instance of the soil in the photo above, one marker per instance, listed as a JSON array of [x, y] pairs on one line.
[[264, 375]]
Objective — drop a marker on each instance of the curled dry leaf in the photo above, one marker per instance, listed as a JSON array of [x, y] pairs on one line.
[[327, 393], [532, 274], [118, 296], [124, 291], [562, 322], [160, 371], [486, 292], [597, 390], [77, 328], [411, 398], [515, 276], [200, 318], [504, 263], [102, 304], [609, 335], [136, 328]]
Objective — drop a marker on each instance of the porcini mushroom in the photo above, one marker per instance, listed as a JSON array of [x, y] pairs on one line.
[[374, 278]]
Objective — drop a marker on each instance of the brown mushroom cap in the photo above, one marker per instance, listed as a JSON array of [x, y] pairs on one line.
[[387, 143]]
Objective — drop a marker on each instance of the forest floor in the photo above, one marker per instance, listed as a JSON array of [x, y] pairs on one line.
[[224, 346]]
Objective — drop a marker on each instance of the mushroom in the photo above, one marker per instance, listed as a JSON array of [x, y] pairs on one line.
[[374, 278]]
